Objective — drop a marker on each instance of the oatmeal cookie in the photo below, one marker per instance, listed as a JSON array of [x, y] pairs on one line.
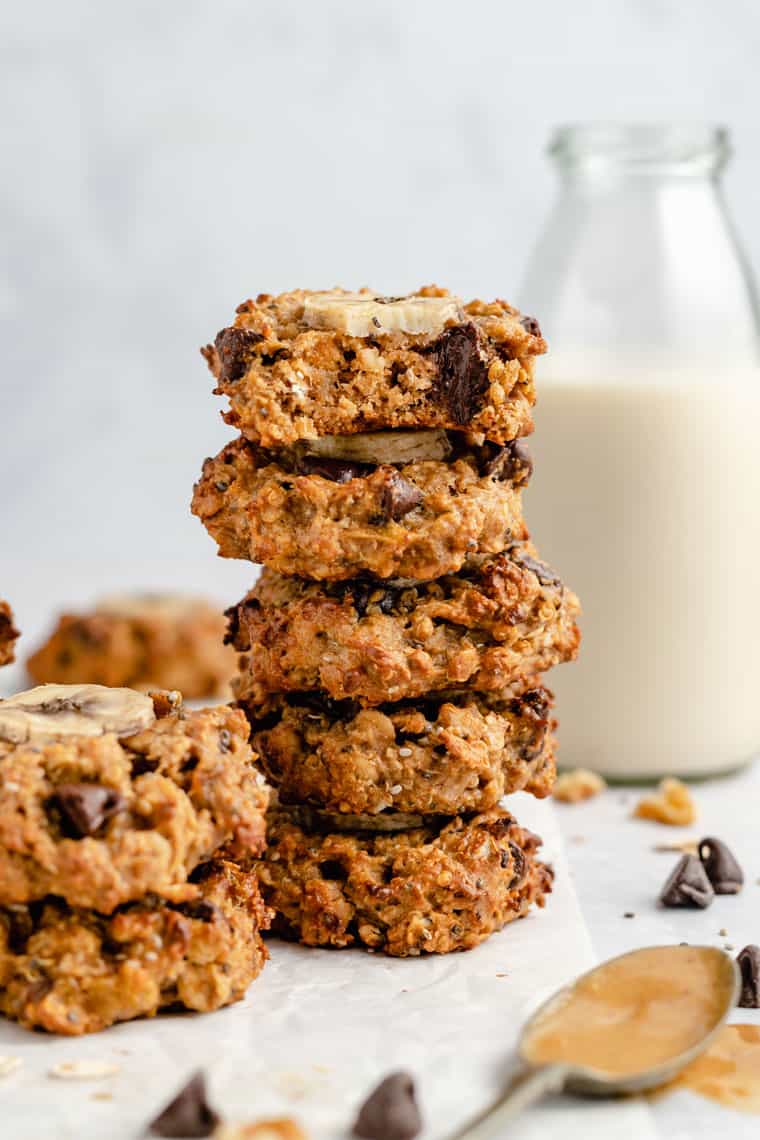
[[100, 820], [75, 971], [8, 633], [446, 885], [340, 520], [306, 364], [441, 755], [502, 617], [147, 641]]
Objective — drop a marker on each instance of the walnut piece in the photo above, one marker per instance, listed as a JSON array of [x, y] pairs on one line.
[[580, 784], [671, 803]]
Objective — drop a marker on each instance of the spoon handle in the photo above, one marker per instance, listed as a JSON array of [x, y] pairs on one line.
[[526, 1086]]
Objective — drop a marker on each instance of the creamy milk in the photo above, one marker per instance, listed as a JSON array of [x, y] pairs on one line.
[[646, 498]]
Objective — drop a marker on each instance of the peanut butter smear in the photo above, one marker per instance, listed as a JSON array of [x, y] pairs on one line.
[[729, 1071], [634, 1013]]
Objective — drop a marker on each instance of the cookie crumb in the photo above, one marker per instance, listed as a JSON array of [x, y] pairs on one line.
[[671, 804], [9, 1065], [278, 1128], [684, 847], [577, 785], [83, 1070]]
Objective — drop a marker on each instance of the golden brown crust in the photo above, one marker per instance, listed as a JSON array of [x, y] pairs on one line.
[[432, 890], [8, 633], [461, 752], [171, 643], [74, 971], [502, 618], [318, 528], [286, 381], [178, 792]]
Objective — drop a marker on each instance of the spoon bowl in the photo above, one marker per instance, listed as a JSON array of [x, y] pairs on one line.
[[633, 1049]]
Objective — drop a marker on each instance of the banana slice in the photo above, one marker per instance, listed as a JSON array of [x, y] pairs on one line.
[[50, 712], [314, 819], [397, 446], [361, 314]]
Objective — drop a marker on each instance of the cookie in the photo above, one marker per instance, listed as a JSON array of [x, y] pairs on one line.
[[341, 519], [304, 364], [8, 633], [74, 971], [443, 886], [501, 618], [148, 641], [131, 808], [439, 755]]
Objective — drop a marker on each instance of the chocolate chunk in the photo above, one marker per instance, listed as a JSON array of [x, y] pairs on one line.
[[531, 325], [398, 496], [336, 470], [234, 348], [687, 885], [86, 807], [200, 909], [544, 573], [20, 927], [189, 1114], [462, 371], [510, 463], [721, 867], [749, 964], [390, 1112], [520, 865]]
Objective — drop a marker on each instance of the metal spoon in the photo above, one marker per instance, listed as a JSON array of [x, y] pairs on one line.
[[531, 1082]]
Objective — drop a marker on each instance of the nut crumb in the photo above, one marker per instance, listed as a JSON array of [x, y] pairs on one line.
[[684, 847], [83, 1070], [9, 1065], [671, 804], [580, 784], [278, 1128]]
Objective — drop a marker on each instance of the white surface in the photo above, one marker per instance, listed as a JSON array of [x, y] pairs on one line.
[[166, 160]]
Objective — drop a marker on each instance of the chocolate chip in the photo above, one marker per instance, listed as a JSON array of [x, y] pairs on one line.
[[86, 807], [200, 909], [687, 885], [390, 1112], [749, 964], [721, 867], [531, 325], [225, 740], [510, 463], [462, 371], [398, 496], [188, 1114], [20, 927], [336, 470], [544, 573], [234, 348]]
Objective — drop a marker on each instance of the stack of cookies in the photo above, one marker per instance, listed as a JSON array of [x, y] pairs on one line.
[[128, 828], [392, 647]]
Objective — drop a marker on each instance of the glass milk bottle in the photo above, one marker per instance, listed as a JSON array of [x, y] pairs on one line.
[[646, 490]]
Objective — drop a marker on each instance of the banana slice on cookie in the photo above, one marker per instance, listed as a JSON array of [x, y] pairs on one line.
[[361, 314], [398, 446], [50, 712]]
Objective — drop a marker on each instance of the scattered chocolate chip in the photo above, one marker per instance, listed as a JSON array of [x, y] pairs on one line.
[[749, 964], [531, 325], [234, 349], [188, 1114], [510, 463], [390, 1112], [462, 371], [86, 807], [722, 869], [629, 914], [687, 885], [336, 470], [398, 496]]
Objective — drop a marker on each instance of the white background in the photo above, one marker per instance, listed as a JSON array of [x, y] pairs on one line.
[[163, 161]]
